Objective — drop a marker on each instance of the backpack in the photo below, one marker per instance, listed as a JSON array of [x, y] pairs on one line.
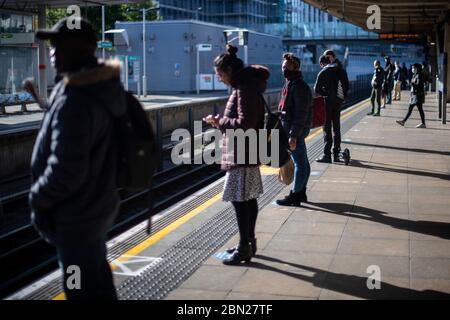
[[137, 147], [272, 121]]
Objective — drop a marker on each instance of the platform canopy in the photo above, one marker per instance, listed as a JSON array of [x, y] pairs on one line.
[[397, 16], [32, 5]]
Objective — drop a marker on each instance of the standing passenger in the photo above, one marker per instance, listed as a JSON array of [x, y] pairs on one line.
[[343, 86], [388, 84], [327, 86], [398, 78], [73, 195], [377, 82], [404, 76], [244, 110], [296, 114]]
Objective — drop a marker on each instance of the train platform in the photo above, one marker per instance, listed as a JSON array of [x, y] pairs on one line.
[[378, 228], [387, 213]]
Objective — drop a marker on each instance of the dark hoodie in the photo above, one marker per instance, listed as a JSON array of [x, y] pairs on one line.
[[244, 109], [74, 196]]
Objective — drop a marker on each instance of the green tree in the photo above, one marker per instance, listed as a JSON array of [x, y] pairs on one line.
[[112, 14]]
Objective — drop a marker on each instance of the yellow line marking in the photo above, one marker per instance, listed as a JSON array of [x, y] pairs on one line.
[[164, 232], [265, 170], [158, 236]]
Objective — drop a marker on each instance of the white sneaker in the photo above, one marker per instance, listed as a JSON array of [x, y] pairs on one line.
[[421, 125]]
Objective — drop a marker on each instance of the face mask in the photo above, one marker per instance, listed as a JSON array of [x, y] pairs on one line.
[[288, 74]]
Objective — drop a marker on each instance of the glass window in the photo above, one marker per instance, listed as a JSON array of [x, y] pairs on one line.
[[5, 22], [28, 23], [15, 23]]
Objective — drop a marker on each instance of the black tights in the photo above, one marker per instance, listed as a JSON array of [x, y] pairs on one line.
[[411, 107], [246, 214]]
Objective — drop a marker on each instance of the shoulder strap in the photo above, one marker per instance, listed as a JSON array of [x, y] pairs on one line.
[[265, 104]]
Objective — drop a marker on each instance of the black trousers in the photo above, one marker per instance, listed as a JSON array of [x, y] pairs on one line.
[[376, 96], [411, 107], [246, 214], [86, 264], [332, 127]]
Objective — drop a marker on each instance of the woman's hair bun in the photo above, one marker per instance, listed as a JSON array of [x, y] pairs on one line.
[[231, 50]]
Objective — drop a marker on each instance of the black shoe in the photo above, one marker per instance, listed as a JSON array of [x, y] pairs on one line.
[[252, 244], [293, 200], [303, 197], [242, 253], [324, 159], [336, 158], [376, 114], [370, 113]]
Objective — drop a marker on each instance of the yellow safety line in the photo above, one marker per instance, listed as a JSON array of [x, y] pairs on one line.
[[174, 225]]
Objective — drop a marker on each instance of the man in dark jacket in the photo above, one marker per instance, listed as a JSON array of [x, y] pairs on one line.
[[327, 86], [73, 196], [388, 84], [343, 87], [377, 82], [296, 114]]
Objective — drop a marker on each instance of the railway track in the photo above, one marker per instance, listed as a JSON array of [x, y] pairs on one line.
[[25, 256]]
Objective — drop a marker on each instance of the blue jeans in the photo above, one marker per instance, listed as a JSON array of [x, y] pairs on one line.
[[302, 169]]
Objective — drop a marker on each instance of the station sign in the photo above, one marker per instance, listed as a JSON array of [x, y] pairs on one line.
[[385, 36], [104, 44], [204, 47]]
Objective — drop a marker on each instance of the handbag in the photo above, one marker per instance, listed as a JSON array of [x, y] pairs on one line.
[[286, 173], [319, 112], [272, 122]]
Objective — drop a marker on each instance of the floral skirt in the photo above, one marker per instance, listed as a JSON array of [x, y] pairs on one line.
[[242, 184]]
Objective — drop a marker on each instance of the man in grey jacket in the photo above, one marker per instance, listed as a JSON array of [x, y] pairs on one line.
[[73, 196]]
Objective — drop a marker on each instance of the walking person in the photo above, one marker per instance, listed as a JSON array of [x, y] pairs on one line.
[[417, 96], [296, 115], [327, 86], [73, 195], [244, 110], [398, 78], [388, 84], [377, 82]]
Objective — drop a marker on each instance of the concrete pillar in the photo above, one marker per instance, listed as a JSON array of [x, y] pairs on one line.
[[433, 65], [447, 50], [42, 56]]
